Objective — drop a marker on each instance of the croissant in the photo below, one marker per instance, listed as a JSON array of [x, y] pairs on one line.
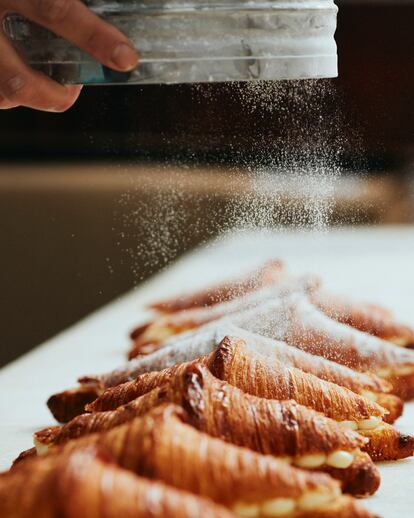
[[250, 371], [66, 405], [274, 272], [69, 403], [311, 330], [269, 273], [285, 382], [289, 356], [152, 336], [294, 319], [194, 344], [369, 318], [162, 446], [370, 386], [234, 363], [84, 483], [99, 421], [281, 428], [288, 315]]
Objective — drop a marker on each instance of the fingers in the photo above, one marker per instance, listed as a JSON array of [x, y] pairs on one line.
[[76, 23], [22, 86]]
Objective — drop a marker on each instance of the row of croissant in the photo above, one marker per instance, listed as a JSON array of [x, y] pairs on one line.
[[265, 396]]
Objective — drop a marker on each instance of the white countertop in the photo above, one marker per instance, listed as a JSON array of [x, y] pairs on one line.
[[374, 264]]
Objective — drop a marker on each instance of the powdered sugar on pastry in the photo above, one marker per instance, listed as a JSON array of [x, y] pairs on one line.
[[298, 322], [370, 318], [151, 337], [270, 272], [314, 331], [201, 341], [317, 365]]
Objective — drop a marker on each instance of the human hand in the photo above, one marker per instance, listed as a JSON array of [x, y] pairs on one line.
[[22, 86]]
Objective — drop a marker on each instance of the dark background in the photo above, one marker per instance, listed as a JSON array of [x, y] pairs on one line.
[[78, 194], [376, 85]]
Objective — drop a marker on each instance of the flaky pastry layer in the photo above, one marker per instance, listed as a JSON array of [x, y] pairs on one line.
[[83, 483]]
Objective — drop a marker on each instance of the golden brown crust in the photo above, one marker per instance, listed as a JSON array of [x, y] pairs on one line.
[[121, 493], [394, 405], [79, 481], [359, 382], [402, 385], [281, 428], [23, 456], [114, 397], [65, 405], [156, 333], [307, 328], [310, 330], [370, 318], [160, 445], [387, 443], [255, 375], [30, 488], [83, 483], [327, 370], [119, 395], [272, 271], [88, 423]]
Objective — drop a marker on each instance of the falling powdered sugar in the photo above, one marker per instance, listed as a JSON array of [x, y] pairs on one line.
[[297, 166], [280, 170]]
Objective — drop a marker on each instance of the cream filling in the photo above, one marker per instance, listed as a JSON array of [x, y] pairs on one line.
[[389, 372], [309, 501], [41, 448], [364, 424], [398, 340], [158, 334], [340, 459], [369, 424]]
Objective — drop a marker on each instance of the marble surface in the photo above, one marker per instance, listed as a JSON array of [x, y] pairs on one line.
[[374, 264]]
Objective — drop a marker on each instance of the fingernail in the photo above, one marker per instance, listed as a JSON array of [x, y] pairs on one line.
[[58, 109], [124, 57], [74, 89]]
